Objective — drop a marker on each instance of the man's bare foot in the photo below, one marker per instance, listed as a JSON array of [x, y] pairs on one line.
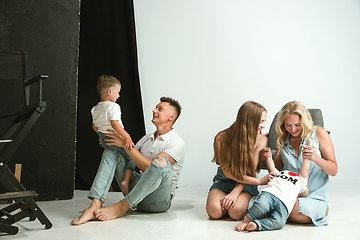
[[125, 188], [88, 215], [241, 227], [114, 211], [252, 226]]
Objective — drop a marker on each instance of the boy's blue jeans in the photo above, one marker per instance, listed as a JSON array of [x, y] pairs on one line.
[[129, 165], [149, 192], [269, 205]]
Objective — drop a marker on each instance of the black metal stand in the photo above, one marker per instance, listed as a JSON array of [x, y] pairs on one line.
[[13, 66], [24, 205]]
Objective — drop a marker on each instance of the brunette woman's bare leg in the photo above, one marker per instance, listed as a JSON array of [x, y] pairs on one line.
[[213, 205], [239, 210]]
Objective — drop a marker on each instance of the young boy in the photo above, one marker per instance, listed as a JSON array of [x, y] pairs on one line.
[[277, 199], [107, 115]]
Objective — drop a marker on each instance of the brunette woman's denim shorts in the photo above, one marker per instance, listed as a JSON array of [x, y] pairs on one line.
[[227, 185]]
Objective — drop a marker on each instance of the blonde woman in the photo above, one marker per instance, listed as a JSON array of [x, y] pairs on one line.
[[299, 139], [236, 151]]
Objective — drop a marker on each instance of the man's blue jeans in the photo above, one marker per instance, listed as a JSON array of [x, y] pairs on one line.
[[148, 192], [269, 205]]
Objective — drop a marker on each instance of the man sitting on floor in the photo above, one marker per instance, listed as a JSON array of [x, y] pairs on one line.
[[158, 155]]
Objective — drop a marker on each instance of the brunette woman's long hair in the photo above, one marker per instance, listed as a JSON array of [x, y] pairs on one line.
[[234, 147]]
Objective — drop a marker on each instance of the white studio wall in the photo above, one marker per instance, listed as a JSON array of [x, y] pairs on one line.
[[212, 56]]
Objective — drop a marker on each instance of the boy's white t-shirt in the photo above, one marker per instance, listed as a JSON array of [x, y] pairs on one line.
[[103, 113], [286, 186]]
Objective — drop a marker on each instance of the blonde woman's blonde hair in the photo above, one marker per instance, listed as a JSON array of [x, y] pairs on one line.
[[294, 107], [234, 147]]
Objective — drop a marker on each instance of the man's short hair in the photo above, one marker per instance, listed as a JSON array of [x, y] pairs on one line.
[[175, 104]]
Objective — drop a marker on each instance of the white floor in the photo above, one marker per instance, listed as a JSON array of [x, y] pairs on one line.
[[187, 219]]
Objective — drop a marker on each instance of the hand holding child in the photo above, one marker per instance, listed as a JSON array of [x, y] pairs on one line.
[[308, 152], [265, 153], [129, 144]]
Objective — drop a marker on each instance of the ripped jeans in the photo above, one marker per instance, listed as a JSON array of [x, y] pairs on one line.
[[129, 165], [148, 192]]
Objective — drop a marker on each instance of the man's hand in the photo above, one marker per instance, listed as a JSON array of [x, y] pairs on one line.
[[115, 139]]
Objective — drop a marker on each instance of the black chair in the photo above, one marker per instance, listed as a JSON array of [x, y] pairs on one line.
[[13, 68], [316, 116]]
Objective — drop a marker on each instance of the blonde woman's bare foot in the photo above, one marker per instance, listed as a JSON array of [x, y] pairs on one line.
[[114, 211], [88, 215], [252, 226], [241, 227], [125, 188]]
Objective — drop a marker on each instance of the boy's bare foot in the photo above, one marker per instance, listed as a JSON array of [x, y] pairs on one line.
[[114, 211], [88, 215], [124, 188], [241, 227], [252, 226]]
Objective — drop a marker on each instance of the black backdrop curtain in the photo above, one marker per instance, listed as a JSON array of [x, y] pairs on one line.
[[107, 46]]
